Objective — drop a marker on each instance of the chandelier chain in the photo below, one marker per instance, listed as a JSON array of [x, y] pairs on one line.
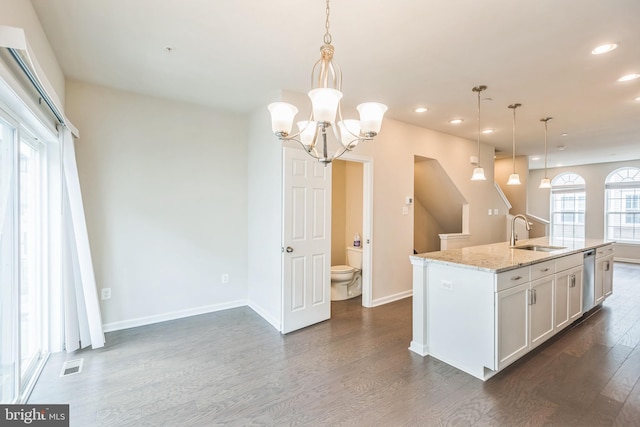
[[327, 35]]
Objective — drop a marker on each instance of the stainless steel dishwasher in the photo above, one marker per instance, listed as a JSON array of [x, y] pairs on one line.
[[588, 280]]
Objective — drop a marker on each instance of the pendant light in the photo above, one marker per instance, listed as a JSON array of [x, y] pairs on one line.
[[478, 171], [545, 182], [514, 178]]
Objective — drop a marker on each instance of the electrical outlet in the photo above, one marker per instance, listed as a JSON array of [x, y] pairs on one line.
[[105, 293], [224, 278]]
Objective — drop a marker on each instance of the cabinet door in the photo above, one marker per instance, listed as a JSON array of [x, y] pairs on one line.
[[599, 280], [541, 310], [607, 273], [563, 299], [575, 294], [512, 324]]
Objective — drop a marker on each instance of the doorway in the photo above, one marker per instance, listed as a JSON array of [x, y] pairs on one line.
[[351, 214]]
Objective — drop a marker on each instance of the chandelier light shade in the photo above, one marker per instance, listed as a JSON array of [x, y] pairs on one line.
[[326, 121], [545, 182], [514, 178], [478, 171]]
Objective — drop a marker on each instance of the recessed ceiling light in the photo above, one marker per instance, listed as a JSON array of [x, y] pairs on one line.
[[637, 99], [561, 147], [421, 109], [564, 134], [628, 77], [456, 121], [535, 158], [604, 48], [487, 131]]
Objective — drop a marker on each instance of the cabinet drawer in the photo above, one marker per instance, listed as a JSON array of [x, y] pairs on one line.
[[543, 269], [512, 278], [569, 261], [604, 251]]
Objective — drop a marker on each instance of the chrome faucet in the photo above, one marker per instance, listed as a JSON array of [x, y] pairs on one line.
[[514, 237]]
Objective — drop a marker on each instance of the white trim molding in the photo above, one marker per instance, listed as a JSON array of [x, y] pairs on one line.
[[149, 320]]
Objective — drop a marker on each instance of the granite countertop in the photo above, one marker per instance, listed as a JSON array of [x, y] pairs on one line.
[[498, 257]]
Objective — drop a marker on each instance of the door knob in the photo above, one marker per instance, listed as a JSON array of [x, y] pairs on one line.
[[289, 249]]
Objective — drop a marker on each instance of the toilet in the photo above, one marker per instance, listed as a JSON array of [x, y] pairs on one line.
[[346, 280]]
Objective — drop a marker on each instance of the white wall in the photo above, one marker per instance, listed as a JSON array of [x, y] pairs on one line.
[[393, 151], [165, 191], [264, 254], [594, 176]]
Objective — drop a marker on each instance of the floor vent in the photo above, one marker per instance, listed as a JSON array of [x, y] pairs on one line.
[[71, 367]]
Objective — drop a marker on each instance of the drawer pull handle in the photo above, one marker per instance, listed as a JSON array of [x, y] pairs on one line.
[[516, 278], [544, 270]]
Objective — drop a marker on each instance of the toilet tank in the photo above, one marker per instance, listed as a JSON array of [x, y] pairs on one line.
[[354, 257]]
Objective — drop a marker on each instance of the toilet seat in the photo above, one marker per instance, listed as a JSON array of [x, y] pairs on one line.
[[342, 269]]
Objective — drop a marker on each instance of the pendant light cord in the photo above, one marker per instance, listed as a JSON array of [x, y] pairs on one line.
[[479, 89], [514, 106], [545, 120]]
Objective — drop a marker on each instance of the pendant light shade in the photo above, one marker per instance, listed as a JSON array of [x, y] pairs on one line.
[[514, 178], [478, 171], [545, 182], [478, 174]]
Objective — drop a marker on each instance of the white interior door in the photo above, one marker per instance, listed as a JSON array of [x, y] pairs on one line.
[[306, 255]]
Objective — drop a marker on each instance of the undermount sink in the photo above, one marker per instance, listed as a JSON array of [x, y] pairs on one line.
[[539, 248]]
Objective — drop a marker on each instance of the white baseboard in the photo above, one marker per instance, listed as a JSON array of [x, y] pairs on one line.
[[392, 298], [142, 321], [266, 316], [420, 349], [629, 260]]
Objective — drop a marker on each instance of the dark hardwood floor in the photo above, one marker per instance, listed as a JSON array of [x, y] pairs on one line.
[[232, 368]]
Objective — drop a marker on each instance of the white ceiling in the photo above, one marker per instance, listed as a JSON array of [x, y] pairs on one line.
[[236, 54]]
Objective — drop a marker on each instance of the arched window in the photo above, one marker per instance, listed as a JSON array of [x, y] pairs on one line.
[[567, 207], [622, 216]]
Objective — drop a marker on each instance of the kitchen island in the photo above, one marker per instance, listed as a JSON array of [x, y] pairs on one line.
[[483, 307]]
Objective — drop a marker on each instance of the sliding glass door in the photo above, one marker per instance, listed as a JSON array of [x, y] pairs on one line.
[[22, 222], [8, 263], [31, 259]]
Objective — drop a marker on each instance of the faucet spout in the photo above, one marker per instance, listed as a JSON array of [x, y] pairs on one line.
[[514, 236]]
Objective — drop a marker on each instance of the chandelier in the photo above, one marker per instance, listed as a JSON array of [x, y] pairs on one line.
[[326, 114]]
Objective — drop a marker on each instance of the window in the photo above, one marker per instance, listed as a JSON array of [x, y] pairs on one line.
[[622, 195], [568, 207]]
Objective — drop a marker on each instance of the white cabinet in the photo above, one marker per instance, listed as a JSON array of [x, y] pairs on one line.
[[608, 276], [481, 321], [541, 310], [603, 286], [569, 289], [525, 316], [575, 294], [512, 309]]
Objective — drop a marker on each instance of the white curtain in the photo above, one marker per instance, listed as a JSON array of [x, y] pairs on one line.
[[82, 318]]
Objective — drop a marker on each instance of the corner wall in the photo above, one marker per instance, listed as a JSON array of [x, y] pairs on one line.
[[165, 194]]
